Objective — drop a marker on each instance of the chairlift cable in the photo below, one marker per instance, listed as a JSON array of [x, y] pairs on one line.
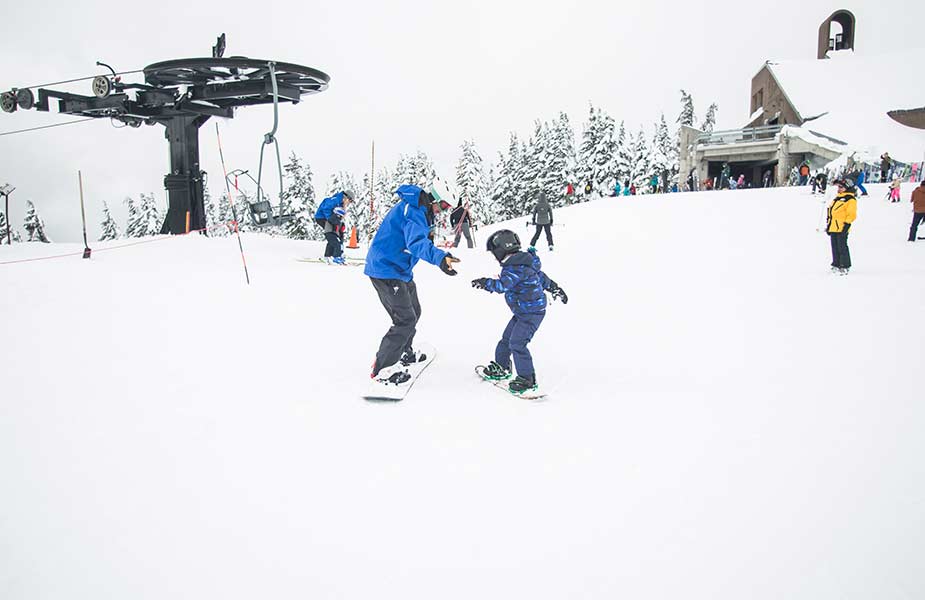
[[47, 126], [32, 87]]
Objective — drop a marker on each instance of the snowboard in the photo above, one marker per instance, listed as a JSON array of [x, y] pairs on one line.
[[379, 392], [501, 384], [349, 262]]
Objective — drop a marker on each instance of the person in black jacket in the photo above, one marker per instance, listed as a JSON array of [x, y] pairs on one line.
[[542, 218], [461, 221]]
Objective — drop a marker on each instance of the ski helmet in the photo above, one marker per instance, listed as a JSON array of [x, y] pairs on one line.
[[503, 242]]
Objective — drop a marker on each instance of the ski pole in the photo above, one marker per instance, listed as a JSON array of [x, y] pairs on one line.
[[234, 214]]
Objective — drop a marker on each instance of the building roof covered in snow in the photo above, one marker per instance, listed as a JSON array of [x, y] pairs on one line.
[[847, 97]]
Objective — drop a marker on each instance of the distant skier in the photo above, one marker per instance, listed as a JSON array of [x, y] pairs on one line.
[[766, 179], [461, 221], [331, 223], [616, 189], [740, 184], [653, 184], [894, 189], [859, 181], [523, 283], [588, 188], [885, 163], [918, 210], [819, 182], [841, 215], [401, 240], [804, 173], [542, 218], [724, 176], [626, 188]]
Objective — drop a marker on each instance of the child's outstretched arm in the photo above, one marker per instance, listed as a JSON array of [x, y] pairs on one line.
[[553, 288], [506, 281]]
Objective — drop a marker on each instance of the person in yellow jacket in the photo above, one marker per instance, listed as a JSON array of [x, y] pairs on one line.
[[841, 215]]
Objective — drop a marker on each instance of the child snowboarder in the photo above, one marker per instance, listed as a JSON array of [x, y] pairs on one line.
[[522, 282]]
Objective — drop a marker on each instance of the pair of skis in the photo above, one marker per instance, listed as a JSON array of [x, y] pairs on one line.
[[348, 262]]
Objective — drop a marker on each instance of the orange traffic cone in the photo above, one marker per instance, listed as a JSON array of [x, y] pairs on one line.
[[353, 245]]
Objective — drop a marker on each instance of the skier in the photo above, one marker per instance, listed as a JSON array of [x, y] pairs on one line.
[[403, 238], [819, 182], [523, 283], [918, 210], [461, 220], [885, 163], [653, 184], [841, 215], [724, 176], [740, 184], [894, 189], [616, 189], [626, 188], [588, 188], [804, 173], [859, 181], [331, 224], [766, 179], [542, 218]]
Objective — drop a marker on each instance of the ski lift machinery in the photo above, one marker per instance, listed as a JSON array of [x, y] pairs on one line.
[[182, 95]]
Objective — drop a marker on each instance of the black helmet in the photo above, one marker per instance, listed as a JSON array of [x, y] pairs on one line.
[[503, 242]]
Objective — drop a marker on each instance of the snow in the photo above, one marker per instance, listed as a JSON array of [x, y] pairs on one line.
[[758, 112], [726, 418], [848, 95]]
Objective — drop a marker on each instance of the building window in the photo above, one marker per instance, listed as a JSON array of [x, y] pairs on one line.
[[761, 97]]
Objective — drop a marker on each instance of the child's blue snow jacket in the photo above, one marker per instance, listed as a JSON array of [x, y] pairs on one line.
[[328, 205], [522, 282], [403, 238]]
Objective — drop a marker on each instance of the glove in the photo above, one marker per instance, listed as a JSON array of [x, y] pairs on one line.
[[846, 228], [480, 283], [446, 265], [557, 292]]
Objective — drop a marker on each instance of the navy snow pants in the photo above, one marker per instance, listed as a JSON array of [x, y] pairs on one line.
[[514, 340]]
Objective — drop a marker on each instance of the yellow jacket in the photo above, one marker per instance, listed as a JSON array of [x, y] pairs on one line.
[[842, 212]]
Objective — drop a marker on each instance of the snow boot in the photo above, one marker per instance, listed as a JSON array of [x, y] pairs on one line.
[[496, 372], [394, 375], [411, 356], [522, 384], [531, 249], [550, 248], [339, 260]]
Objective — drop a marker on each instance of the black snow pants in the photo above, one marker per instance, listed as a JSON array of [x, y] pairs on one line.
[[841, 258], [914, 229], [400, 300], [335, 245], [539, 228]]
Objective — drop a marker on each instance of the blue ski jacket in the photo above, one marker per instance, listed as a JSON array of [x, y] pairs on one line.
[[522, 282], [328, 205], [403, 239]]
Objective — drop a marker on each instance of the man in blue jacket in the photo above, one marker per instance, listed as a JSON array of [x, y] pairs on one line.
[[331, 221], [402, 240]]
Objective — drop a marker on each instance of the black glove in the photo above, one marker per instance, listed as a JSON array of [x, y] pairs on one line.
[[480, 284], [446, 265], [557, 292], [846, 228]]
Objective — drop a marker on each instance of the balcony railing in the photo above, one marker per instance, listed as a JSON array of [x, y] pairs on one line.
[[739, 136]]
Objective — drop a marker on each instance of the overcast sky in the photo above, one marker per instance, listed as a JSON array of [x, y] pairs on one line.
[[410, 75]]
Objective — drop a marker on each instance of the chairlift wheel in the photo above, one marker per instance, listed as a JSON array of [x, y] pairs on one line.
[[8, 102], [25, 98], [101, 86]]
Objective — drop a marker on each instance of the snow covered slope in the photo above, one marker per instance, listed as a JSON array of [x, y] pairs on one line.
[[726, 419]]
